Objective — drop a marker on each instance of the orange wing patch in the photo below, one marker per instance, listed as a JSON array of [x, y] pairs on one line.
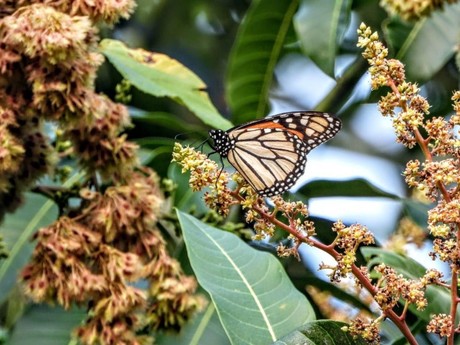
[[273, 125]]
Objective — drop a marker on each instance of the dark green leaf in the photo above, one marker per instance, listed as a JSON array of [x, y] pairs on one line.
[[255, 299], [163, 119], [320, 25], [205, 328], [427, 45], [320, 332], [17, 230], [352, 188], [44, 325], [302, 276], [417, 211], [184, 198], [408, 267], [396, 32], [258, 45], [158, 155], [162, 76], [150, 143]]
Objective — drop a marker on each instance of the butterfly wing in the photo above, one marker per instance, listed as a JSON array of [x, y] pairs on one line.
[[271, 160], [313, 127], [271, 153]]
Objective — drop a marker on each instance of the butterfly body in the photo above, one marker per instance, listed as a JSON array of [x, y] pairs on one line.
[[271, 153]]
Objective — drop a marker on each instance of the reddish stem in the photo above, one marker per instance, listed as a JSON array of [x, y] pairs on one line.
[[365, 282], [423, 143]]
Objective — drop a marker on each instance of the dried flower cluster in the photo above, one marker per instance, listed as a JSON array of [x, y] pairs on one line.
[[413, 9], [437, 177], [109, 12], [95, 252]]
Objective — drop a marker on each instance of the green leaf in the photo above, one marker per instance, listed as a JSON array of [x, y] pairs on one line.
[[302, 276], [254, 298], [427, 45], [438, 298], [162, 119], [205, 328], [417, 211], [17, 230], [254, 55], [320, 26], [185, 199], [408, 267], [161, 76], [154, 152], [44, 325], [352, 188], [320, 332]]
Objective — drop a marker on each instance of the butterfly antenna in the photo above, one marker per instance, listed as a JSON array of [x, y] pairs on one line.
[[182, 134], [200, 146]]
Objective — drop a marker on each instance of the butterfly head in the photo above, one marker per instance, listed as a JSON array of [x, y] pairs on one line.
[[221, 141]]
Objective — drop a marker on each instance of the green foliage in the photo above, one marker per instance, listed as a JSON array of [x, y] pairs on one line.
[[18, 229], [256, 278], [258, 46], [439, 32], [161, 76], [320, 332], [45, 325], [352, 188], [205, 328], [320, 26]]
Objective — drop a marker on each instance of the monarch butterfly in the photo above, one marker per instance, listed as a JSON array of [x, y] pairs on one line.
[[271, 153]]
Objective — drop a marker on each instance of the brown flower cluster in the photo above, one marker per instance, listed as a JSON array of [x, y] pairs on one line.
[[48, 65], [96, 255], [109, 12], [98, 142], [94, 252], [392, 287], [413, 9]]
